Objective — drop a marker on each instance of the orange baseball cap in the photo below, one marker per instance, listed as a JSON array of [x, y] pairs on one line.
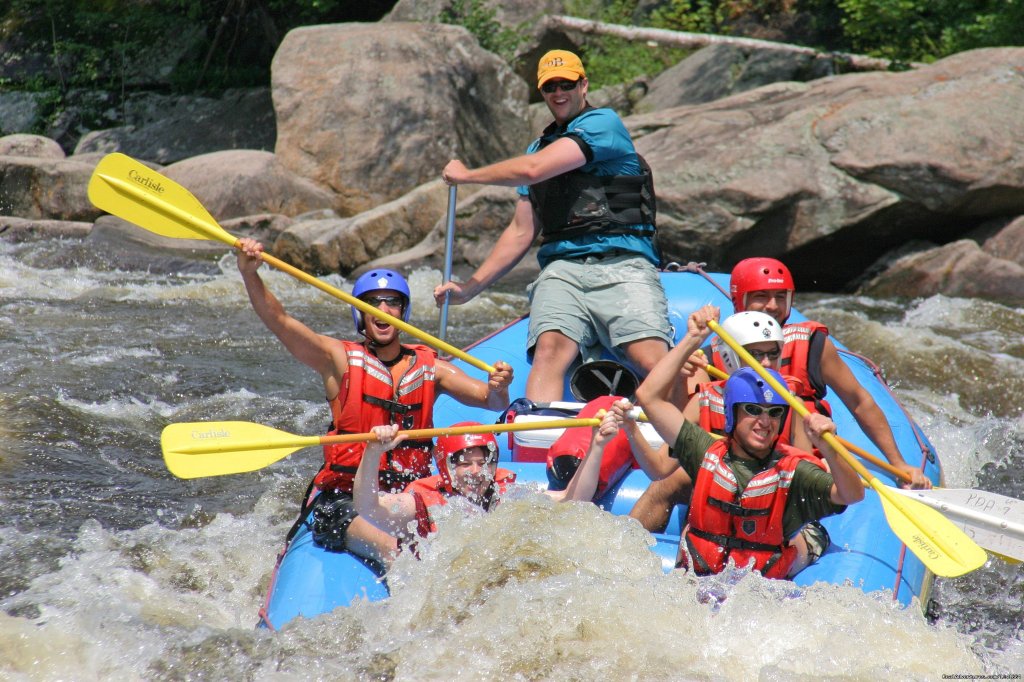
[[559, 64]]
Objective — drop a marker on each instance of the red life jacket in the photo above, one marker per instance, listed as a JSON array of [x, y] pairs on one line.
[[432, 491], [743, 525], [806, 381], [711, 400], [368, 398], [575, 440]]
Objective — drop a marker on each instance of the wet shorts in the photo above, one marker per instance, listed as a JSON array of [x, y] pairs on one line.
[[600, 303], [333, 512]]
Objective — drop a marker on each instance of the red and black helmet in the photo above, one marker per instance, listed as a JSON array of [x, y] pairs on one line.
[[759, 274], [449, 446]]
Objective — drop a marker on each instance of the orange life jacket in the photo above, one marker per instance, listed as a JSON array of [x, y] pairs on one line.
[[368, 398], [724, 522], [432, 491], [806, 382]]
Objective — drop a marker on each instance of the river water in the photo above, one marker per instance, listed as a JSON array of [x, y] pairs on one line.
[[111, 568]]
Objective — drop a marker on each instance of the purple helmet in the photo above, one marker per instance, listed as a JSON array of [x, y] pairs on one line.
[[380, 279], [746, 386]]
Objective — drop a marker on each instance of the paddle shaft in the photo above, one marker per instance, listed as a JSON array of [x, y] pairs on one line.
[[214, 232], [449, 245], [208, 438], [415, 434]]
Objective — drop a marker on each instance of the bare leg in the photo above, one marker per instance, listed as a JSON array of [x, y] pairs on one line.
[[644, 354], [552, 356], [654, 508], [370, 542]]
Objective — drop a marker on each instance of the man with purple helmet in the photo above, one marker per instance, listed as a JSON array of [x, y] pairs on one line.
[[751, 493], [374, 381]]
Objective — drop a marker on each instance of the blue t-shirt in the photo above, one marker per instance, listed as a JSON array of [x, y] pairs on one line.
[[609, 150]]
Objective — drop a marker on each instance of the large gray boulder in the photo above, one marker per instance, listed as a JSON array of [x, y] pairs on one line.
[[335, 244], [372, 111], [242, 182], [832, 174], [32, 146], [720, 70]]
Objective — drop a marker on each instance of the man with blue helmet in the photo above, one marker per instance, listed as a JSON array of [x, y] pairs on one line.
[[751, 494], [376, 381]]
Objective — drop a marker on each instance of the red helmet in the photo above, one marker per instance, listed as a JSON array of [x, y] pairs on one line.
[[759, 274], [447, 446]]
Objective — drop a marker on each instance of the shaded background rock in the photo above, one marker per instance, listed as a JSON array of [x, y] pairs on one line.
[[167, 129], [719, 71], [45, 189]]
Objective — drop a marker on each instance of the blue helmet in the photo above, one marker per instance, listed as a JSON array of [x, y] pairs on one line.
[[746, 386], [380, 279]]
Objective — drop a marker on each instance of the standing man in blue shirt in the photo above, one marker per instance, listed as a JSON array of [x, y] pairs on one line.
[[589, 195]]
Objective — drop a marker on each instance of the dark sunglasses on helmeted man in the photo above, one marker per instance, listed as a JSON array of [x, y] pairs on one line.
[[391, 301], [754, 410], [760, 355], [564, 86]]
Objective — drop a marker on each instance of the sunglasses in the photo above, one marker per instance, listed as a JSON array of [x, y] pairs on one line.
[[564, 86], [754, 410], [390, 301], [760, 355]]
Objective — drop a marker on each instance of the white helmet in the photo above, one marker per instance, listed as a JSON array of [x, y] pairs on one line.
[[746, 328]]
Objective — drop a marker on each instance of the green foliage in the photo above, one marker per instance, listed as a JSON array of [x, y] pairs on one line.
[[479, 19], [926, 30]]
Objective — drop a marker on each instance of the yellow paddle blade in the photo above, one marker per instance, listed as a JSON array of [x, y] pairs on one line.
[[199, 449], [129, 189], [942, 547]]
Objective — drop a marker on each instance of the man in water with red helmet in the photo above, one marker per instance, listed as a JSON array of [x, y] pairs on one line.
[[467, 466], [373, 382]]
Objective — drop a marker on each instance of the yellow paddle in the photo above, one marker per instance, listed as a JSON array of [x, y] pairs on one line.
[[993, 521], [199, 449], [124, 187], [942, 547]]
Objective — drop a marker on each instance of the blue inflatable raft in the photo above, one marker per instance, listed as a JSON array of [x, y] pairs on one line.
[[309, 581]]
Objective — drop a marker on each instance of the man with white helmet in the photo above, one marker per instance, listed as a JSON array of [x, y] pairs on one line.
[[374, 381]]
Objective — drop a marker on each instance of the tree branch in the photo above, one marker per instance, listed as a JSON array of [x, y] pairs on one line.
[[696, 40]]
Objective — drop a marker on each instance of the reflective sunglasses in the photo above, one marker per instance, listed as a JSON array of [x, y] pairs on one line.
[[760, 355], [390, 301], [564, 86], [755, 410]]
